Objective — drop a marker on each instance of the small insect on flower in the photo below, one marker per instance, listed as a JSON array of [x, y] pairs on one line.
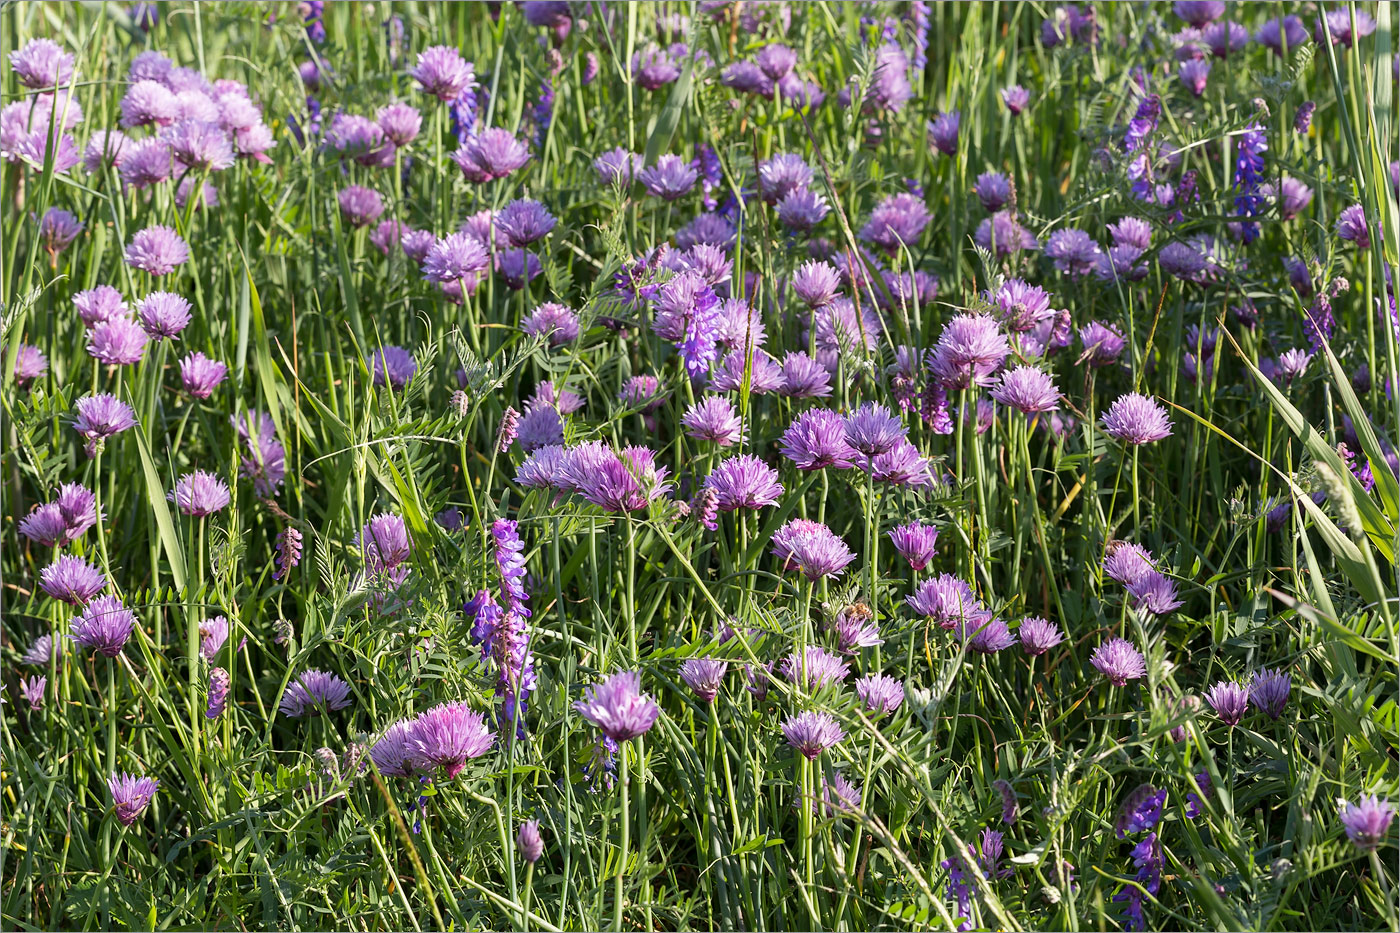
[[131, 795]]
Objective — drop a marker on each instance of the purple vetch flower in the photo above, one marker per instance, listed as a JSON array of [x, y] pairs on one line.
[[816, 282], [200, 375], [1154, 594], [447, 735], [1140, 811], [1195, 798], [158, 250], [1268, 691], [1351, 226], [32, 690], [99, 304], [72, 580], [713, 419], [1008, 800], [57, 230], [1302, 118], [1230, 701], [618, 707], [219, 684], [390, 753], [393, 366], [1038, 635], [897, 221], [100, 417], [880, 694], [812, 732], [1119, 661], [131, 795], [670, 178], [360, 206], [1249, 170], [744, 481], [1136, 419], [529, 842], [969, 351], [104, 626], [704, 676], [1367, 822], [943, 132], [313, 692], [1016, 99], [1027, 389], [30, 365], [814, 669], [811, 548], [163, 315], [199, 494], [491, 154], [915, 542], [524, 221], [442, 72], [1280, 31], [946, 601], [288, 552], [1194, 74], [119, 341]]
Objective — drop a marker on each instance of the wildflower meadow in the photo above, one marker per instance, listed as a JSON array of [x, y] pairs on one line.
[[699, 466]]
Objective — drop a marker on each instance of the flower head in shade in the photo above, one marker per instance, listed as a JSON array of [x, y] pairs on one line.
[[618, 707], [158, 250], [391, 754], [119, 341], [199, 494], [30, 364], [543, 469], [1154, 594], [764, 374], [1367, 822], [541, 426], [447, 735], [872, 430], [802, 210], [781, 175], [104, 626], [1280, 31], [491, 154], [986, 634], [969, 351], [208, 195], [1223, 38], [1199, 12], [454, 258], [654, 67], [1038, 635], [201, 375], [1268, 691], [898, 221], [42, 64], [1337, 24], [72, 580], [442, 72], [517, 267], [385, 541], [713, 419], [1073, 251], [44, 526], [42, 651], [1103, 343], [1136, 419], [915, 542], [1027, 389], [804, 377], [775, 60], [357, 137], [529, 842], [812, 732], [704, 676], [32, 690], [1002, 234], [213, 632], [99, 304], [387, 235], [815, 668], [312, 692], [670, 178], [617, 167], [1351, 226], [817, 439], [266, 459], [1119, 661], [394, 367], [993, 189], [838, 796], [1229, 700], [1194, 74], [100, 417], [811, 548], [555, 322], [524, 221], [163, 314], [880, 694], [58, 229], [747, 78], [946, 601], [943, 132], [1128, 563], [360, 206], [400, 123], [1016, 99], [816, 282], [219, 684], [131, 795]]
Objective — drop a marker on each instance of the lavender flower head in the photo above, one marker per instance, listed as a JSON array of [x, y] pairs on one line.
[[704, 676], [1268, 691], [131, 795], [1103, 344], [442, 72], [42, 64], [943, 132], [1038, 635], [312, 692], [360, 206], [100, 417], [871, 430], [915, 542], [969, 351], [99, 304], [158, 250], [811, 548], [528, 841], [816, 439], [1367, 822], [1154, 594], [946, 601], [1027, 389], [448, 735], [163, 315], [1351, 226], [670, 178], [812, 732], [200, 375], [618, 707], [489, 155], [1136, 419], [1119, 661], [394, 367], [880, 694], [814, 668], [220, 682], [390, 753], [199, 494], [1230, 701], [58, 229], [455, 258], [119, 341], [72, 580], [1016, 99], [30, 364], [104, 626], [713, 419]]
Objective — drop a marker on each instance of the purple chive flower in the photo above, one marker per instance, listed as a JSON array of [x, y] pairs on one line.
[[880, 694], [839, 796], [1229, 700], [1136, 419], [391, 754], [764, 373], [30, 364], [213, 633], [1131, 231], [199, 494], [624, 482], [670, 178], [969, 351], [744, 482], [158, 250], [219, 683], [508, 430], [713, 419], [1194, 74], [1028, 390], [986, 634], [517, 267], [901, 465], [618, 707], [943, 132], [994, 190], [1351, 226], [804, 377], [454, 258], [915, 542], [42, 651], [558, 323], [897, 221], [387, 235], [775, 60], [1223, 38], [400, 123], [1038, 635], [946, 601], [1292, 364], [1016, 99], [394, 367], [747, 78], [1199, 12], [266, 461], [816, 282], [1103, 344], [163, 315], [653, 67], [104, 626], [1337, 25], [1281, 30], [199, 146], [811, 548], [1021, 307], [617, 167], [855, 628], [523, 221], [1367, 822], [1074, 252], [32, 690], [312, 692], [1119, 661], [871, 430], [1128, 563], [815, 668], [447, 735], [42, 64], [812, 732], [201, 375], [99, 304], [740, 326], [360, 206], [1002, 234], [802, 210], [704, 676], [385, 542], [711, 229], [131, 795], [72, 580], [57, 230], [442, 72], [489, 155], [1268, 691], [1154, 594], [100, 417], [817, 439], [528, 841], [781, 175], [119, 341]]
